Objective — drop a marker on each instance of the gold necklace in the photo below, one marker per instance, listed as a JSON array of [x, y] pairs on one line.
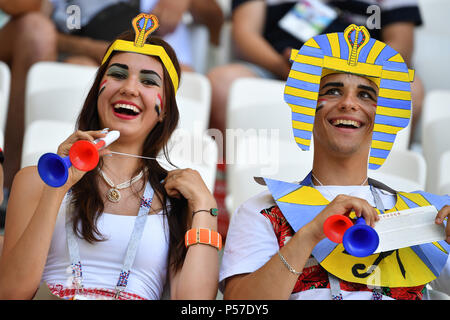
[[113, 194]]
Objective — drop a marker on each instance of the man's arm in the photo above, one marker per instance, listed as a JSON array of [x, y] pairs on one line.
[[274, 280], [18, 7], [260, 285], [208, 13], [76, 45], [170, 13], [400, 36], [247, 32]]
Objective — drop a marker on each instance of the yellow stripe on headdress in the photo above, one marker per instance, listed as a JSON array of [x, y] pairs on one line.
[[309, 60], [382, 145], [395, 75], [302, 125], [302, 93], [305, 142], [397, 58], [334, 44], [394, 112], [378, 46], [303, 110], [394, 94], [378, 161], [304, 76], [386, 128]]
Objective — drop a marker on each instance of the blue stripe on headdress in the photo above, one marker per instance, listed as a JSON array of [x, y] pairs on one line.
[[307, 68], [304, 85], [391, 121], [382, 136], [298, 101], [303, 146], [364, 53], [394, 66], [379, 153], [395, 85], [343, 46], [324, 44], [302, 117], [400, 104], [384, 55], [311, 51], [303, 134]]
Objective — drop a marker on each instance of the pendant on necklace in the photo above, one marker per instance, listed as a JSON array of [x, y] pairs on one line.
[[113, 195]]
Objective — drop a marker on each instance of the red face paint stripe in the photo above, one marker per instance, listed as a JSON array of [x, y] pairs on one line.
[[160, 102], [102, 86]]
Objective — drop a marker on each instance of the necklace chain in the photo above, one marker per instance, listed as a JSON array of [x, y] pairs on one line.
[[328, 191], [321, 184], [122, 185], [113, 194]]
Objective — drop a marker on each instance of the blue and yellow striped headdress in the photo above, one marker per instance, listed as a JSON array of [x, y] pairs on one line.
[[352, 51]]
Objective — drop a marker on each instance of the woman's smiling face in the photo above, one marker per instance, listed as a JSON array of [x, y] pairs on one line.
[[128, 94]]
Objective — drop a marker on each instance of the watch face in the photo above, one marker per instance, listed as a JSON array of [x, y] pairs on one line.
[[214, 212]]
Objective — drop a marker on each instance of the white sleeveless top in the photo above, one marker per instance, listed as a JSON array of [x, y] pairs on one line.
[[102, 261]]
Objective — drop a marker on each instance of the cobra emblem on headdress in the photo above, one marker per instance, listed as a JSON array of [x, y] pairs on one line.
[[144, 24]]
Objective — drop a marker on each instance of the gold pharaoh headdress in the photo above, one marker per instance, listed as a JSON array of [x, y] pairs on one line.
[[144, 24]]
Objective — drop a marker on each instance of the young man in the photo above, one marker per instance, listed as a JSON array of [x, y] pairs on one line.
[[264, 46], [353, 94]]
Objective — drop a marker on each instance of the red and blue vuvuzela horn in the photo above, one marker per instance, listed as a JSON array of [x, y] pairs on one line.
[[53, 169], [83, 155], [359, 240]]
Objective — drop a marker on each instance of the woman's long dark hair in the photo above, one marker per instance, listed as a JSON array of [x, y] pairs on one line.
[[86, 199]]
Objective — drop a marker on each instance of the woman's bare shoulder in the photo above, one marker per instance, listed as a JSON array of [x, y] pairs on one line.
[[27, 185], [28, 177]]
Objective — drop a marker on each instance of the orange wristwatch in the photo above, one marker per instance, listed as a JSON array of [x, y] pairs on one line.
[[203, 236]]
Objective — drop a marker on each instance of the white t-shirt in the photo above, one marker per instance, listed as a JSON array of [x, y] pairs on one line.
[[102, 261], [251, 241]]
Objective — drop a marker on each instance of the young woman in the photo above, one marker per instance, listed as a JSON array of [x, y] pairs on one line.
[[83, 239]]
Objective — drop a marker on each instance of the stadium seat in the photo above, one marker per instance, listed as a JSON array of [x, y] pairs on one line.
[[435, 142], [56, 91], [194, 101], [432, 44], [444, 173]]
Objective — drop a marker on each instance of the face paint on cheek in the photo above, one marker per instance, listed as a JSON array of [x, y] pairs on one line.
[[159, 105], [321, 102], [102, 86]]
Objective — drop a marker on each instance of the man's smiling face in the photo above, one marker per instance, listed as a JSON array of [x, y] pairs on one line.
[[345, 114]]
